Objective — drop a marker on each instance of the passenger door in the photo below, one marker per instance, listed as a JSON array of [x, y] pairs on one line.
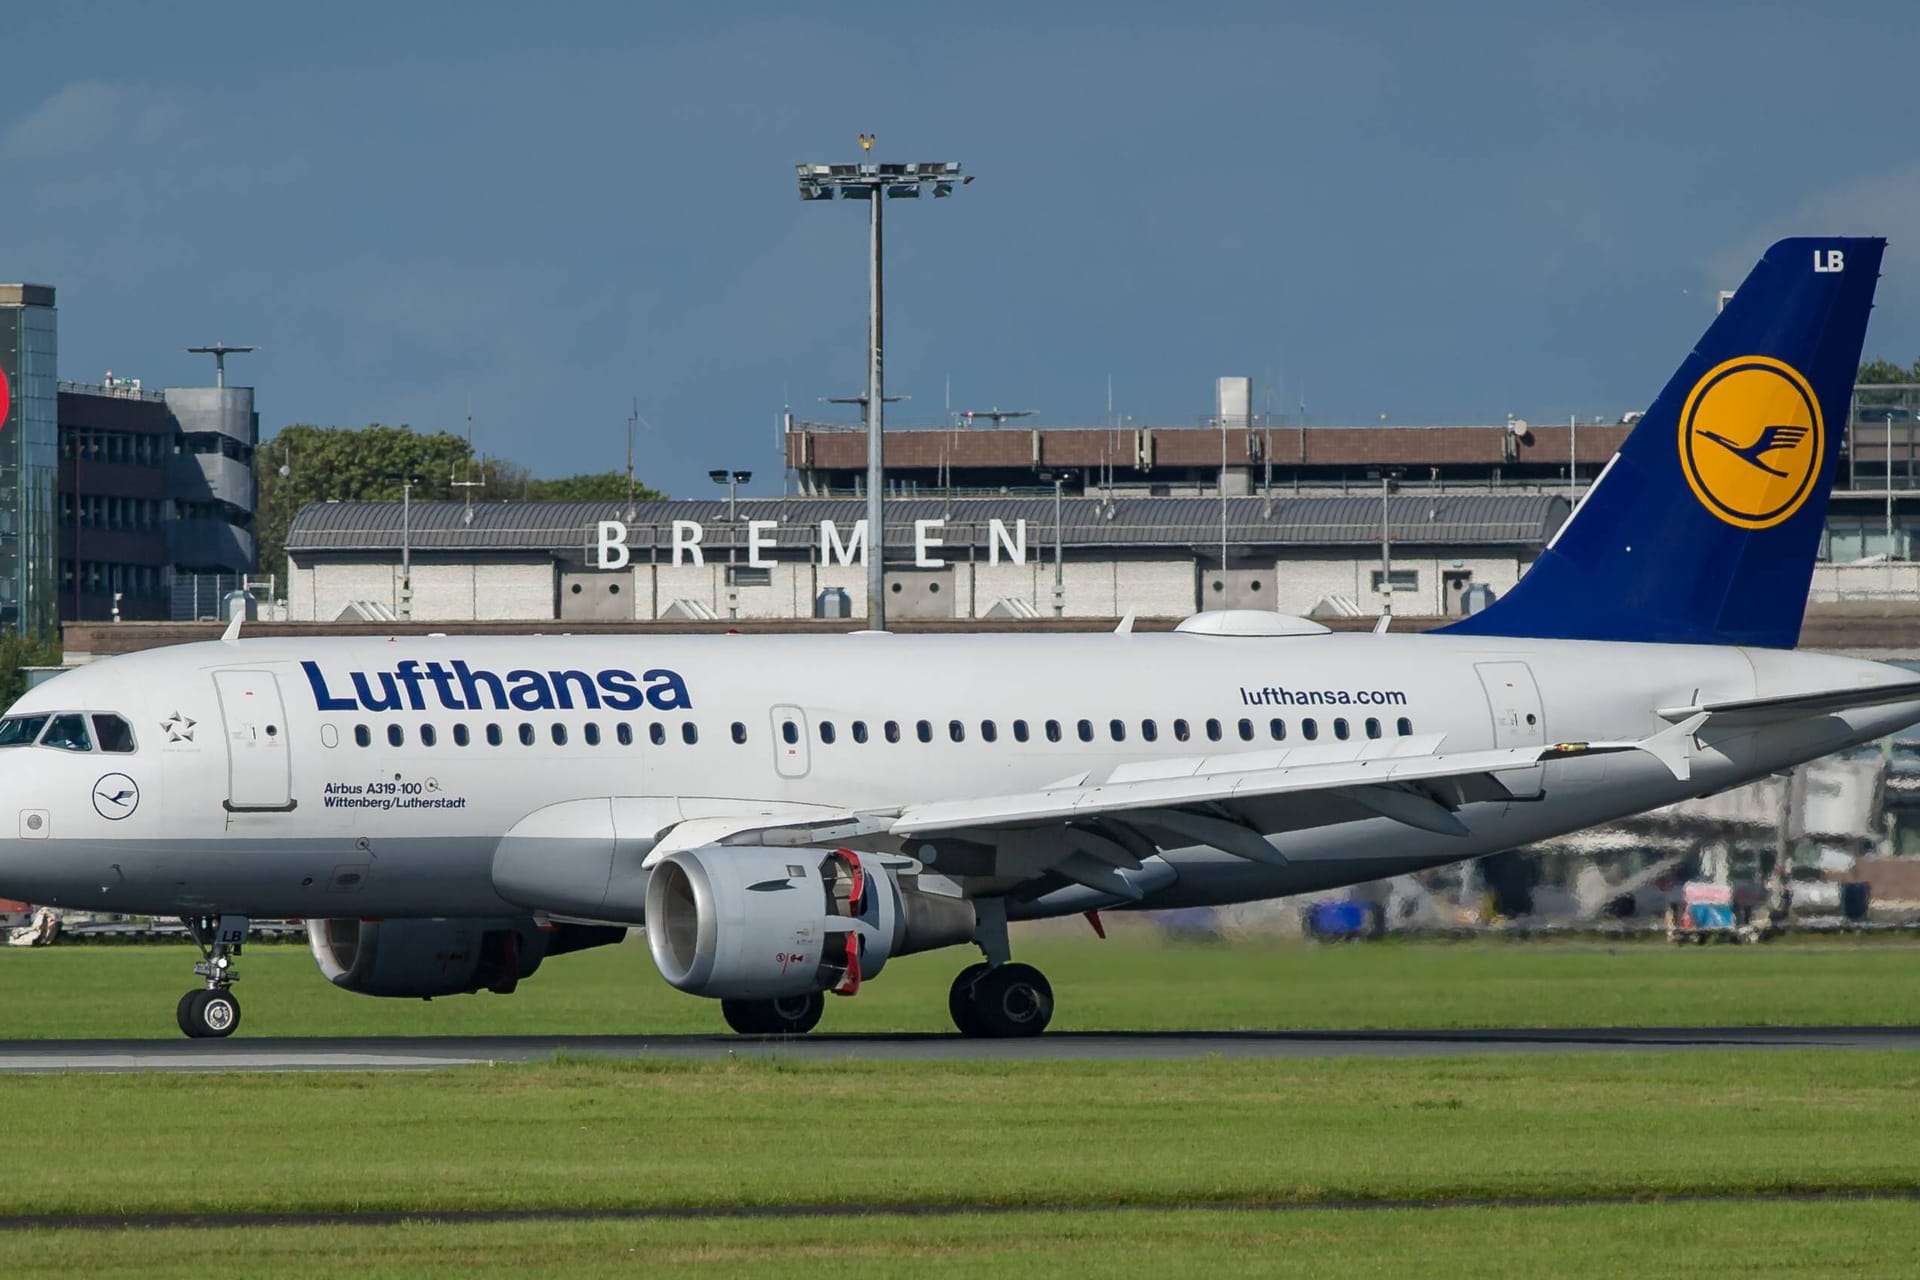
[[1518, 720], [790, 752], [259, 774]]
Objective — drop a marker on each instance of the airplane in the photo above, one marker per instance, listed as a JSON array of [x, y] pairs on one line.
[[784, 815]]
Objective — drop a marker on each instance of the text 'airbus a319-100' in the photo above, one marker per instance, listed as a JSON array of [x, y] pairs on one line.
[[787, 814]]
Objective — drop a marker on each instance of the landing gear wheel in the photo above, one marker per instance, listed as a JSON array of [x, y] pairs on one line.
[[783, 1016], [1012, 1001], [960, 999], [209, 1013]]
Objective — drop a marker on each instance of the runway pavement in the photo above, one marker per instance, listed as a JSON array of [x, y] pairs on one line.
[[413, 1053]]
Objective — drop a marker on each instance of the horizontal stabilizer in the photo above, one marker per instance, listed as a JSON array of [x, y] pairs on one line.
[[1795, 706]]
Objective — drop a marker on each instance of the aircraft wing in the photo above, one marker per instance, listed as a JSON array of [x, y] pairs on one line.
[[1762, 711], [1091, 830]]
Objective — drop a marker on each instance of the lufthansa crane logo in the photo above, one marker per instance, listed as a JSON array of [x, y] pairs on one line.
[[115, 796], [1751, 441]]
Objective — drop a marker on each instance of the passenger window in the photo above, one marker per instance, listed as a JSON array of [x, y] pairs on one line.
[[1405, 726], [395, 735], [427, 735], [657, 734], [1213, 731], [494, 737], [892, 730], [623, 734], [923, 730], [1309, 729], [1117, 729], [527, 735], [1149, 730], [19, 731], [1053, 731], [1246, 731], [956, 731], [1373, 727], [68, 733], [361, 737], [460, 735], [859, 728], [592, 733], [989, 732], [789, 733], [826, 732], [1182, 731], [1340, 728], [1277, 728], [689, 733], [740, 733], [1085, 729], [559, 734], [1019, 730], [113, 734]]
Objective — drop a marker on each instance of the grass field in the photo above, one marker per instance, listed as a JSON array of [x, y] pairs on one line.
[[1802, 1240], [1086, 1154], [1096, 1145], [1132, 981]]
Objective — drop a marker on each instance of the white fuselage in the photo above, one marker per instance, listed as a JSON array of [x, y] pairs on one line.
[[256, 795]]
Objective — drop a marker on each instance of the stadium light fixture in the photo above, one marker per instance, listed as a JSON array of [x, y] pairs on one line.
[[872, 182]]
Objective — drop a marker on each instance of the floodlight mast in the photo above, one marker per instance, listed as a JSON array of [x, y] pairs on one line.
[[875, 183]]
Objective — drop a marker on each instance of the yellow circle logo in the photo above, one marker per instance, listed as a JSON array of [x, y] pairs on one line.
[[1751, 441]]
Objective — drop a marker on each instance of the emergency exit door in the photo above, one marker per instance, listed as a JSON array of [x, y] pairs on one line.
[[259, 775], [1518, 719]]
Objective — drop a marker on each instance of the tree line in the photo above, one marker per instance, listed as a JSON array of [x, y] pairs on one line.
[[306, 463]]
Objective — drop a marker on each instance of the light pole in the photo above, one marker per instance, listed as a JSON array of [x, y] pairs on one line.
[[733, 480], [1389, 484], [1059, 478], [406, 484], [870, 182], [1889, 486]]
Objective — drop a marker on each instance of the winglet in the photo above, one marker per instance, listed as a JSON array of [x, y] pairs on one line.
[[232, 633]]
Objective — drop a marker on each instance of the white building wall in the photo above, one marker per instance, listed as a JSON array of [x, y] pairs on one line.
[[522, 589]]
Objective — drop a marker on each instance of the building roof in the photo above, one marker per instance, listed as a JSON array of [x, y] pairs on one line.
[[1526, 519]]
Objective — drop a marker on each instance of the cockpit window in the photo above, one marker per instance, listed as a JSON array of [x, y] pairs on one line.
[[18, 731], [113, 733], [68, 732]]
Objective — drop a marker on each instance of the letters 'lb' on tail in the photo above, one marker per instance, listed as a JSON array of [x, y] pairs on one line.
[[1704, 527]]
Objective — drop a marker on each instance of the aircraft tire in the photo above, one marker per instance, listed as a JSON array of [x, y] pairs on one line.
[[785, 1016], [960, 1002], [1013, 1001], [183, 1012], [209, 1014]]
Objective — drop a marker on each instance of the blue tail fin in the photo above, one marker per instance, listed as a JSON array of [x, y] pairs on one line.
[[1704, 527]]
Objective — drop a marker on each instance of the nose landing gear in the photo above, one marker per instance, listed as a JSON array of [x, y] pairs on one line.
[[212, 1011]]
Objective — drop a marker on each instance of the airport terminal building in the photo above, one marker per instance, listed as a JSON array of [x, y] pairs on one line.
[[957, 558]]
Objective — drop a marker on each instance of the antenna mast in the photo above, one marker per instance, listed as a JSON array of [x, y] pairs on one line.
[[468, 486]]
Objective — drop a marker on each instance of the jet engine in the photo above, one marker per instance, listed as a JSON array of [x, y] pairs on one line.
[[752, 923], [426, 958]]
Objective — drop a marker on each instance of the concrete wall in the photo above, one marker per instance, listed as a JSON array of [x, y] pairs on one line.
[[501, 589]]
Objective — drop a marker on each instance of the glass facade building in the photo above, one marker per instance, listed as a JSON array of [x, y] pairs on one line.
[[29, 457]]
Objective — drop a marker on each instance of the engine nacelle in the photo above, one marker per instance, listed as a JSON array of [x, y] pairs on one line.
[[420, 959], [752, 923]]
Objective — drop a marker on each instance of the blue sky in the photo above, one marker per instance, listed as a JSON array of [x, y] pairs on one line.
[[1439, 213]]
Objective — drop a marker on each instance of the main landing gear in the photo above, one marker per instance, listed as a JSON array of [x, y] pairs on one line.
[[1000, 1002], [997, 999], [212, 1011]]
